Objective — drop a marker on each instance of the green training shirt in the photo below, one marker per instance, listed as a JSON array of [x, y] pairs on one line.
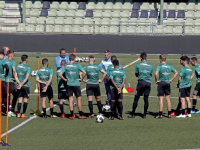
[[111, 67], [2, 63], [117, 75], [22, 70], [10, 64], [165, 70], [61, 83], [145, 70], [197, 73], [92, 72], [71, 71], [185, 73], [44, 74]]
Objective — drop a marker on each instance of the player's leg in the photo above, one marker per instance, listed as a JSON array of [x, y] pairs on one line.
[[107, 87], [70, 95], [25, 104], [61, 108], [147, 91], [50, 97], [114, 94], [182, 95], [4, 94], [26, 94], [120, 106], [194, 98], [19, 105], [160, 90], [89, 91], [169, 105], [188, 102], [44, 106], [97, 94], [14, 101]]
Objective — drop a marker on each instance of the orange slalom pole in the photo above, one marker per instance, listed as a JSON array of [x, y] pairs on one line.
[[0, 114], [38, 97], [7, 113]]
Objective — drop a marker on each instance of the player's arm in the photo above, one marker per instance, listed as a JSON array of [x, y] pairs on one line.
[[83, 74], [104, 75], [57, 63], [156, 76], [192, 76], [136, 71], [13, 69], [40, 81], [7, 69], [174, 76], [61, 76], [16, 78]]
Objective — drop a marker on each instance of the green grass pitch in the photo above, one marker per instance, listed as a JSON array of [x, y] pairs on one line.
[[137, 133]]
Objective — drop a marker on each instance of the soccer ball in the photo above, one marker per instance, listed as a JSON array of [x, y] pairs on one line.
[[86, 59], [99, 118], [106, 107], [77, 59], [33, 73]]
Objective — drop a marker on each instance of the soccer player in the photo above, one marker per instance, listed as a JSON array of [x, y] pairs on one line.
[[5, 51], [11, 75], [105, 63], [92, 87], [61, 57], [196, 92], [44, 76], [163, 81], [184, 84], [21, 76], [143, 71], [62, 86], [71, 71], [118, 78], [3, 74]]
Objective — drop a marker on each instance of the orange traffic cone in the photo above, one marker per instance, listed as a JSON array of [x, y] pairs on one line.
[[129, 89]]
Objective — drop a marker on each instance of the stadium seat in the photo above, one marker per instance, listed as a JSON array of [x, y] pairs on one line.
[[178, 30], [165, 6], [154, 6], [73, 5], [41, 20], [37, 5], [136, 6], [191, 6], [97, 21], [53, 13], [197, 14], [21, 28], [190, 14], [145, 6], [159, 29], [39, 29], [197, 30], [80, 13], [105, 22], [188, 30], [182, 6], [50, 21], [67, 29], [144, 14], [85, 30], [30, 28], [169, 30], [28, 13], [98, 14], [1, 12], [32, 20], [124, 21], [69, 21], [11, 21], [46, 5], [71, 13], [116, 14], [82, 6], [179, 22], [109, 6], [198, 7], [134, 14], [133, 22], [49, 28], [95, 30], [59, 21], [149, 30], [103, 30], [125, 14], [189, 22], [153, 20], [107, 14], [172, 6], [78, 21], [55, 5], [123, 30], [89, 13], [114, 30], [91, 6], [197, 22], [76, 29], [181, 14], [35, 13], [57, 29], [131, 30], [8, 29], [28, 5], [88, 21], [64, 5], [153, 14], [114, 22], [170, 22], [142, 22], [118, 6], [171, 14], [44, 12], [62, 13], [2, 4], [100, 6], [127, 6], [141, 30]]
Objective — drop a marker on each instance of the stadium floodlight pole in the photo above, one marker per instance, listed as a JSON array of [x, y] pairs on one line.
[[24, 12], [161, 12]]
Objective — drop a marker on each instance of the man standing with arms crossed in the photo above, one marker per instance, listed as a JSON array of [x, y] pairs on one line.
[[105, 63], [143, 71], [92, 87], [164, 70], [71, 71]]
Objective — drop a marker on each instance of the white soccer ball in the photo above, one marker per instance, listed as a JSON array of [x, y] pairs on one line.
[[99, 118], [33, 73], [77, 59], [106, 107], [86, 59]]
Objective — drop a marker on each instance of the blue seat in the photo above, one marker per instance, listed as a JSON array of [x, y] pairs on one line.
[[46, 5], [171, 14], [153, 14], [44, 12], [136, 6], [164, 14], [181, 14], [82, 5], [89, 13], [134, 14], [144, 14]]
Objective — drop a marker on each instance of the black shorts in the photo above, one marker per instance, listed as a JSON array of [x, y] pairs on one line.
[[197, 90], [93, 89], [4, 87], [74, 89], [163, 89], [184, 92], [62, 95], [12, 87], [48, 93], [24, 92], [143, 87], [115, 95]]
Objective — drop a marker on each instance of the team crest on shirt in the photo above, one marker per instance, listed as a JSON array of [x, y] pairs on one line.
[[21, 67], [43, 70], [165, 73], [44, 77], [188, 69], [92, 73], [20, 73], [92, 67]]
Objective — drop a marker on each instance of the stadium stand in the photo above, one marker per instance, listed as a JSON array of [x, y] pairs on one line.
[[103, 16]]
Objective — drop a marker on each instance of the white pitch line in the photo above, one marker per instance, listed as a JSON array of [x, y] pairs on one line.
[[31, 118]]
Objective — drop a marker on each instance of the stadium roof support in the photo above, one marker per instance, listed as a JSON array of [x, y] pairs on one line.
[[24, 12], [161, 12]]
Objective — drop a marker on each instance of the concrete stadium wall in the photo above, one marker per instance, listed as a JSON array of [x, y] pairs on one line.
[[129, 44]]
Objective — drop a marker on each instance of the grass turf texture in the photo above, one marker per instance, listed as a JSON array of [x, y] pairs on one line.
[[134, 133]]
